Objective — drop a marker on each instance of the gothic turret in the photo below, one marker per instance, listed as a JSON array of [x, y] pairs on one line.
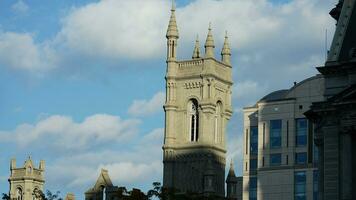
[[27, 181], [209, 44], [226, 52], [231, 183], [196, 52], [172, 35]]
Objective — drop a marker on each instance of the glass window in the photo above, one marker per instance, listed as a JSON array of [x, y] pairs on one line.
[[299, 185], [301, 132], [315, 154], [253, 164], [254, 140], [301, 158], [253, 188], [315, 184], [275, 133], [275, 159]]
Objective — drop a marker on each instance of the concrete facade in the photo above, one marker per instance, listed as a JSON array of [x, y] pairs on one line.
[[272, 162], [197, 109], [26, 183]]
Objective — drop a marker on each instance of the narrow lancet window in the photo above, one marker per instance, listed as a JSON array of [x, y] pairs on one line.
[[193, 117], [217, 123]]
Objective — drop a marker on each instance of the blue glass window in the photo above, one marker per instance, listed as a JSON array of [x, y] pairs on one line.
[[300, 186], [254, 140], [301, 132], [253, 164], [253, 188], [301, 158], [315, 154], [275, 159], [315, 184], [275, 133]]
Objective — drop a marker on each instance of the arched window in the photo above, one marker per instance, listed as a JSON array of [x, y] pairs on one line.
[[193, 120], [36, 194], [19, 194], [217, 124]]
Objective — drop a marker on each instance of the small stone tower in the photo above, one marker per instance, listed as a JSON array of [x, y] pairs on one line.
[[26, 183], [197, 109], [231, 183]]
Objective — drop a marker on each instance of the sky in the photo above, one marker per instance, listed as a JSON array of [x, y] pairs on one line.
[[82, 81]]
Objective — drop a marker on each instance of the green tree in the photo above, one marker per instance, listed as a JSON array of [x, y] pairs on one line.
[[5, 196]]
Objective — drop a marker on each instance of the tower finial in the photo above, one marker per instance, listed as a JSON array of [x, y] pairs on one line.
[[226, 51], [209, 44], [196, 52], [173, 6], [231, 170], [172, 31]]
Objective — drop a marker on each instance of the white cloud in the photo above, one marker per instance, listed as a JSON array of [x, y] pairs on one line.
[[235, 152], [136, 165], [248, 92], [20, 7], [19, 51], [147, 107], [117, 28], [135, 30], [61, 132]]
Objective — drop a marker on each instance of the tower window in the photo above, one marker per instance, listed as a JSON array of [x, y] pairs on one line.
[[193, 120], [19, 194], [217, 123]]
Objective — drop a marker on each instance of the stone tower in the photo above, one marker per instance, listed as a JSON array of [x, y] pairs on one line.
[[231, 184], [197, 109], [26, 183]]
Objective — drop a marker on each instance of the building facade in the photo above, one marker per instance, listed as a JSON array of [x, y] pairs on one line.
[[26, 182], [335, 117], [279, 154], [197, 109]]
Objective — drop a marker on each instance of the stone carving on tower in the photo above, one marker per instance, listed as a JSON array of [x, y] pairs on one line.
[[197, 109], [26, 183]]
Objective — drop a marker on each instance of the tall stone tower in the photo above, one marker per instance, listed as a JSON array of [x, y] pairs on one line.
[[197, 109], [26, 183]]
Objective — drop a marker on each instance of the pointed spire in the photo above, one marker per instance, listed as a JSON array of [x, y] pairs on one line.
[[226, 51], [172, 31], [209, 44], [231, 171], [196, 52]]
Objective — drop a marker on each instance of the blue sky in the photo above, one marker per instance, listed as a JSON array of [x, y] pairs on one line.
[[83, 81]]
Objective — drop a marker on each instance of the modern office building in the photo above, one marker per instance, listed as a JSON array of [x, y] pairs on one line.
[[279, 156]]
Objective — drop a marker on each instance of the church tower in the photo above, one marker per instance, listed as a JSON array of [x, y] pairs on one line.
[[197, 109], [26, 183]]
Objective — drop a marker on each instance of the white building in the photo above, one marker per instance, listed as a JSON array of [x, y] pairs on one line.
[[279, 153]]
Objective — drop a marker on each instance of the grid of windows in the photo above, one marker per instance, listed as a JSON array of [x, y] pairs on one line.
[[301, 132], [301, 158], [300, 185], [275, 159], [315, 184], [253, 164], [253, 140], [275, 133], [253, 188]]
